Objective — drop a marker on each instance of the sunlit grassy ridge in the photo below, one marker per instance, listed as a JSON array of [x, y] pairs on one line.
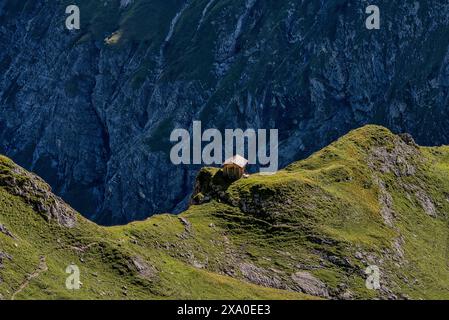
[[370, 198]]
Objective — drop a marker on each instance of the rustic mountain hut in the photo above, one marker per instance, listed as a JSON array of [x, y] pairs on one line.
[[234, 168]]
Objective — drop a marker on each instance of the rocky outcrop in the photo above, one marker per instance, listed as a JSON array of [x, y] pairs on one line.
[[6, 232], [34, 191], [210, 184], [4, 256], [386, 203], [401, 158], [261, 276], [93, 118], [144, 269], [307, 283]]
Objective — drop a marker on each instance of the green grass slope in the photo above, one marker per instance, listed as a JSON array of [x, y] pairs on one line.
[[40, 237], [310, 231]]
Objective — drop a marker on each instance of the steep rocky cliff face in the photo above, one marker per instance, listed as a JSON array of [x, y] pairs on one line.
[[91, 110]]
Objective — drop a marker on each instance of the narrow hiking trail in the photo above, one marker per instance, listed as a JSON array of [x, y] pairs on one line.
[[42, 267]]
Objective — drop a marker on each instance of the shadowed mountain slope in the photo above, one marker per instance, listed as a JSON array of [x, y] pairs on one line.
[[91, 110]]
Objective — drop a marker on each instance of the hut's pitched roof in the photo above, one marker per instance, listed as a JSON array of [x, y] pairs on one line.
[[237, 160]]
